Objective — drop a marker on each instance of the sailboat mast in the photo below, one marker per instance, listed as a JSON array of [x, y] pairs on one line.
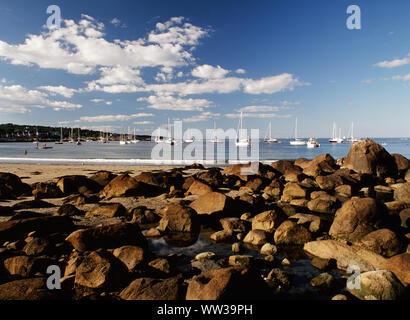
[[296, 129]]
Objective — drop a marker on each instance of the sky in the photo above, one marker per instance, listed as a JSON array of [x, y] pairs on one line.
[[125, 65]]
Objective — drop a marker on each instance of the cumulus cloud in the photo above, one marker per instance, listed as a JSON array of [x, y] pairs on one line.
[[18, 99], [209, 72], [270, 85], [113, 118], [167, 102], [61, 90], [143, 123], [240, 71], [393, 63]]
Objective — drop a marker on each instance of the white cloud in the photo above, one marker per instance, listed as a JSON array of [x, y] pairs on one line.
[[270, 85], [402, 78], [117, 22], [205, 116], [393, 63], [167, 102], [256, 115], [143, 123], [61, 90], [209, 72], [259, 109], [113, 118], [240, 71], [17, 99]]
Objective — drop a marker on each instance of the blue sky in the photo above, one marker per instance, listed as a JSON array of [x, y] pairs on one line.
[[114, 65]]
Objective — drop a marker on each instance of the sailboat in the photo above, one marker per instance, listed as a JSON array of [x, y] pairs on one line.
[[297, 142], [335, 139], [122, 139], [215, 138], [242, 142], [352, 139], [190, 138], [79, 139], [158, 137], [170, 140], [61, 136], [72, 136], [134, 139], [270, 139], [312, 143]]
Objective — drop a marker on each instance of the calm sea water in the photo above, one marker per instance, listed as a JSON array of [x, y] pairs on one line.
[[140, 153]]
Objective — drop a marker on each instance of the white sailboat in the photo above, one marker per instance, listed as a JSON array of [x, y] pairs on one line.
[[61, 136], [134, 139], [215, 138], [270, 139], [190, 138], [334, 138], [297, 141], [158, 137], [36, 140], [71, 135], [352, 139], [242, 142], [170, 140], [79, 139]]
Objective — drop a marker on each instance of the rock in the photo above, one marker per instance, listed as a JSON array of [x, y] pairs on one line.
[[339, 297], [77, 184], [403, 164], [294, 191], [161, 265], [310, 221], [153, 289], [407, 175], [402, 192], [256, 237], [240, 260], [279, 280], [234, 225], [124, 185], [405, 218], [322, 206], [98, 270], [383, 241], [237, 247], [269, 249], [285, 262], [152, 233], [179, 219], [25, 266], [130, 256], [381, 284], [324, 282], [290, 233], [211, 203], [72, 265], [143, 215], [255, 184], [37, 247], [370, 158], [222, 236], [110, 210], [33, 289], [323, 264], [231, 283], [344, 191], [111, 236], [205, 255], [11, 186], [267, 221], [330, 182], [357, 217], [323, 195], [198, 187], [43, 190], [69, 210], [18, 229], [6, 211], [32, 204], [205, 265], [395, 207], [400, 266], [162, 179], [285, 166], [346, 255], [102, 178]]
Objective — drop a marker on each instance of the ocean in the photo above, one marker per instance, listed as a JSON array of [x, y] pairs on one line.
[[140, 153]]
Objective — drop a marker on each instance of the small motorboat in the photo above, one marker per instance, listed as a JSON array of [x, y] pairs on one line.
[[312, 143]]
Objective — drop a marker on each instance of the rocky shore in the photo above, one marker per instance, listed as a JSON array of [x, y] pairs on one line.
[[346, 216]]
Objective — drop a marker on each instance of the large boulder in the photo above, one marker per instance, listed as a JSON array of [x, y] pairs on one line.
[[110, 210], [291, 233], [212, 203], [25, 266], [11, 186], [346, 255], [383, 241], [400, 266], [370, 158], [378, 285], [77, 184], [33, 289], [286, 166], [111, 236], [294, 191], [102, 177], [18, 229], [257, 237], [179, 219], [403, 164], [198, 187], [402, 192], [130, 256], [357, 217], [153, 289], [43, 190], [268, 220], [231, 283], [234, 225], [322, 205]]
